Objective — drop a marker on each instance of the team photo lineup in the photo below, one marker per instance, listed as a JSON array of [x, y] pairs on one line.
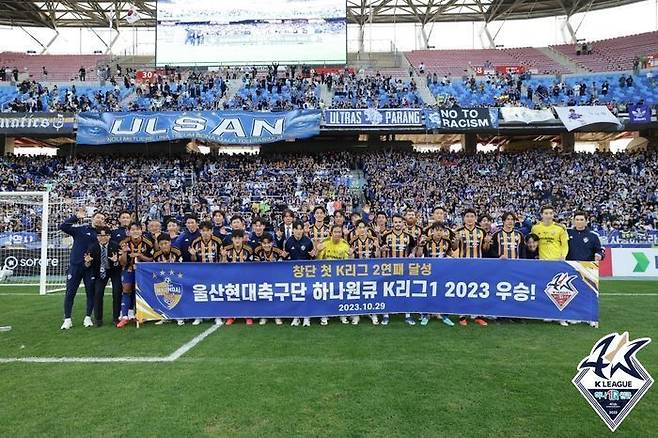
[[309, 218], [339, 236]]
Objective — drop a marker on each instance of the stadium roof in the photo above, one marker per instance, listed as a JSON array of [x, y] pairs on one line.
[[97, 13]]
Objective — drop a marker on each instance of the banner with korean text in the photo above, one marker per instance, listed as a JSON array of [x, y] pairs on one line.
[[488, 287]]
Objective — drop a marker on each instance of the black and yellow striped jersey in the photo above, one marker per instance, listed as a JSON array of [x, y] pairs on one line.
[[141, 246], [318, 233], [207, 251], [172, 256], [437, 248], [235, 255], [470, 241], [510, 244], [397, 244], [351, 235], [415, 230], [274, 255], [364, 247], [428, 231]]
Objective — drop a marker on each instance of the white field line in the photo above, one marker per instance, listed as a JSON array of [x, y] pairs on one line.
[[170, 358]]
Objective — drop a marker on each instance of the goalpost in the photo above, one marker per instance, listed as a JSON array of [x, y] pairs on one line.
[[33, 251]]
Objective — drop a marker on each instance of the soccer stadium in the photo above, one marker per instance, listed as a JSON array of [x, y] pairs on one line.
[[325, 217]]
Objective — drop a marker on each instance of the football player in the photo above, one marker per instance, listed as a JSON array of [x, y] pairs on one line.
[[133, 249], [397, 243]]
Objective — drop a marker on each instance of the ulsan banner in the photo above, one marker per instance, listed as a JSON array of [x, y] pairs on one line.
[[574, 117], [461, 119], [229, 127], [372, 117], [526, 115], [488, 287]]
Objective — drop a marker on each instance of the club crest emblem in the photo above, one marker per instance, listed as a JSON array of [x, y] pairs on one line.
[[168, 293], [561, 290], [612, 379]]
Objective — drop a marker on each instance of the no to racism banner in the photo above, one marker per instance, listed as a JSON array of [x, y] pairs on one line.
[[489, 287], [372, 117], [526, 115], [230, 127], [461, 119], [574, 117], [36, 123]]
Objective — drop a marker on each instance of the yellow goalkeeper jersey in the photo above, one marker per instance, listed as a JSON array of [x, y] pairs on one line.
[[334, 251], [553, 241]]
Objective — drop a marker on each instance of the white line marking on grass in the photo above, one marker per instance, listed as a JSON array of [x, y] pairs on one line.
[[170, 358], [25, 294], [193, 343]]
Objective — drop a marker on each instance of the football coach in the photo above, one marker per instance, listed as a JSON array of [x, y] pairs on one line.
[[584, 244]]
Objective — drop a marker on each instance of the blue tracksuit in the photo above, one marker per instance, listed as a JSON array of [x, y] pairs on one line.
[[184, 241], [83, 237], [583, 245], [118, 235], [299, 249]]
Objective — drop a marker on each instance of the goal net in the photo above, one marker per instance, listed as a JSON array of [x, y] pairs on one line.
[[33, 251]]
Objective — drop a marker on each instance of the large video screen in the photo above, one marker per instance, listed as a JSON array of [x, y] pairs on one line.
[[212, 32]]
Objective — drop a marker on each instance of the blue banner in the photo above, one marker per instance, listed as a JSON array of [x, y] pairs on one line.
[[372, 117], [487, 287], [36, 123], [22, 239], [228, 127], [639, 113], [461, 119]]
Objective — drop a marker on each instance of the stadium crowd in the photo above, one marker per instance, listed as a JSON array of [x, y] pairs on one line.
[[289, 87], [618, 191]]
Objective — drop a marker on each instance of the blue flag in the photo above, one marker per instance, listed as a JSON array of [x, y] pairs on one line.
[[228, 127]]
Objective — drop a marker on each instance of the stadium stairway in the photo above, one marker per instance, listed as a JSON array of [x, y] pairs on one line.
[[423, 90], [562, 60], [233, 86], [326, 96], [421, 82], [359, 181]]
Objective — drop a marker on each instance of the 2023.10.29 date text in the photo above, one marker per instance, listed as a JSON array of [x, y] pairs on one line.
[[361, 307]]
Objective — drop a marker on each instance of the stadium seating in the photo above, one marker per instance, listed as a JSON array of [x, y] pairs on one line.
[[533, 59], [59, 67], [614, 54], [456, 62]]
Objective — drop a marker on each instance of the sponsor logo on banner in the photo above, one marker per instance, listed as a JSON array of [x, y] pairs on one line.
[[372, 117], [526, 115], [574, 117], [639, 113], [561, 290], [634, 262], [461, 118], [228, 127], [612, 379], [36, 123]]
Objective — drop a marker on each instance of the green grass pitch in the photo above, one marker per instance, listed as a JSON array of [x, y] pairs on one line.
[[505, 380]]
